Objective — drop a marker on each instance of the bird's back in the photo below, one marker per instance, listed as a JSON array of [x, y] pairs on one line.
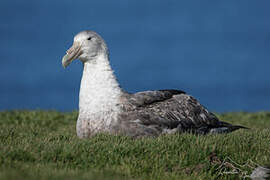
[[152, 113]]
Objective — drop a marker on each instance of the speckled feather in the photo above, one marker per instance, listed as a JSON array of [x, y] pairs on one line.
[[152, 113]]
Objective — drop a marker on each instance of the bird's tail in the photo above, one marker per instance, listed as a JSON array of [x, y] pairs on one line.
[[232, 127], [225, 127]]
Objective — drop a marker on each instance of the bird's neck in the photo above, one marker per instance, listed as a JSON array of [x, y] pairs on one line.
[[99, 89]]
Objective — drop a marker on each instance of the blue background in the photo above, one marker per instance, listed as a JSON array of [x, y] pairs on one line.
[[218, 51]]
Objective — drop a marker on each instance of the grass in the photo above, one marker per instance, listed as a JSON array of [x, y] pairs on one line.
[[44, 145]]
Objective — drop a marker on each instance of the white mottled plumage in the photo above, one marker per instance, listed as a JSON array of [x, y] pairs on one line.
[[99, 95], [105, 108]]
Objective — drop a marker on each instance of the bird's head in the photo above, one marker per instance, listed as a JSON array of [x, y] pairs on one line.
[[87, 45]]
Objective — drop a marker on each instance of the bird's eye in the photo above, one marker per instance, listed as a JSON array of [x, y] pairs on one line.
[[89, 38]]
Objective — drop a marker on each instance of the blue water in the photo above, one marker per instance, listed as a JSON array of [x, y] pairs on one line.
[[218, 51]]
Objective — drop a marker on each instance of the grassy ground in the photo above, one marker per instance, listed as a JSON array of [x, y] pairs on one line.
[[43, 145]]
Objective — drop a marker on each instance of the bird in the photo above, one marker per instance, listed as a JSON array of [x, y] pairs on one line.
[[104, 107]]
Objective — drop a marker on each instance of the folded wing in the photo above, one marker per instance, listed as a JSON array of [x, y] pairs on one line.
[[168, 111]]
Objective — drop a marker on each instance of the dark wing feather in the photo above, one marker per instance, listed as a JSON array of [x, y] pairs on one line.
[[181, 110], [148, 97], [164, 111]]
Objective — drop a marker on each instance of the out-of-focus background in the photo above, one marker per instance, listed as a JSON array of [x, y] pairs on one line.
[[218, 51]]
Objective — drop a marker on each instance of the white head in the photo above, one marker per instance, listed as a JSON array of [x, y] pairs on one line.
[[87, 45]]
